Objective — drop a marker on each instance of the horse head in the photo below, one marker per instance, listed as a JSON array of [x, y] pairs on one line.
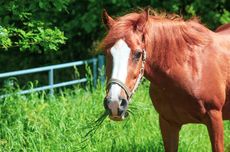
[[125, 53]]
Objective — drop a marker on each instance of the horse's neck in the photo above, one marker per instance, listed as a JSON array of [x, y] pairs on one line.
[[172, 44], [176, 55], [184, 75]]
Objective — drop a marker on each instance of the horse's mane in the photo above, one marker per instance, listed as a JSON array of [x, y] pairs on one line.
[[168, 36]]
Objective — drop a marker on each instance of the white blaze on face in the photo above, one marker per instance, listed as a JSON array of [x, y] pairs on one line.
[[120, 54]]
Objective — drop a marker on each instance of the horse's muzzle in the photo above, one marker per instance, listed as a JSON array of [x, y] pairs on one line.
[[117, 109]]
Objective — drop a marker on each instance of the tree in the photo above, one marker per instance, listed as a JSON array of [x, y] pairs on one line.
[[55, 31], [25, 25]]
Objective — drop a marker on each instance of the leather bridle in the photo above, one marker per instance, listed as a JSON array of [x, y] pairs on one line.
[[129, 92]]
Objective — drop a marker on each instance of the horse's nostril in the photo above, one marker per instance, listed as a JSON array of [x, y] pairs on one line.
[[120, 111], [116, 108], [124, 103], [106, 101]]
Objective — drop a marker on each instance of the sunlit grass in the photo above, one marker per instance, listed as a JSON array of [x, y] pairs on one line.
[[39, 122]]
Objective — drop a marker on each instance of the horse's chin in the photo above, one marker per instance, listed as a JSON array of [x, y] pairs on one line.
[[119, 118]]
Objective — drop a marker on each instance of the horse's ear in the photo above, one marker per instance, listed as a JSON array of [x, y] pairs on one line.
[[142, 20], [146, 13], [107, 20]]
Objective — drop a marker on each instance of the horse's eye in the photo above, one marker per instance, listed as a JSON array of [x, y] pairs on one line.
[[137, 54]]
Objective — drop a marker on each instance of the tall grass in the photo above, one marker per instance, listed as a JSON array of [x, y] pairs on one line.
[[39, 122]]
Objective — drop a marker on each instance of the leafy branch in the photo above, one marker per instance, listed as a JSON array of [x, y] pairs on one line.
[[32, 39]]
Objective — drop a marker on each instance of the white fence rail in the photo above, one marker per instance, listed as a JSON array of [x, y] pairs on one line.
[[97, 63]]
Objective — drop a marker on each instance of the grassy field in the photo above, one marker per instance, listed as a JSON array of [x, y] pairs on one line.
[[38, 122]]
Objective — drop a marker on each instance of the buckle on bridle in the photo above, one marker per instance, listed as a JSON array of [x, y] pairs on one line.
[[144, 55]]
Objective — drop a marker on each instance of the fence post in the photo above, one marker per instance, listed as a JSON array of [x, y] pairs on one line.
[[95, 72], [51, 81], [101, 68]]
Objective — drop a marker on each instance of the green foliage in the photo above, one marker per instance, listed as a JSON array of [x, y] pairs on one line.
[[4, 38], [40, 25], [38, 122], [47, 38], [27, 27], [225, 17]]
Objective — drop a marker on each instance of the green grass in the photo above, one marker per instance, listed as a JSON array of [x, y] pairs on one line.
[[37, 122]]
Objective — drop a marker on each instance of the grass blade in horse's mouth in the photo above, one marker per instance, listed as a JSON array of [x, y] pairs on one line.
[[93, 127]]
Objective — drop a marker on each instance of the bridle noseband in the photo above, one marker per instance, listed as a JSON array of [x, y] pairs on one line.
[[129, 92]]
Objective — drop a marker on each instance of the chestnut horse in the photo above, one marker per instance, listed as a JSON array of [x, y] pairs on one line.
[[187, 64]]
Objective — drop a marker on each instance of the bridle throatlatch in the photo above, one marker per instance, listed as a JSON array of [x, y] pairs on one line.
[[129, 92]]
